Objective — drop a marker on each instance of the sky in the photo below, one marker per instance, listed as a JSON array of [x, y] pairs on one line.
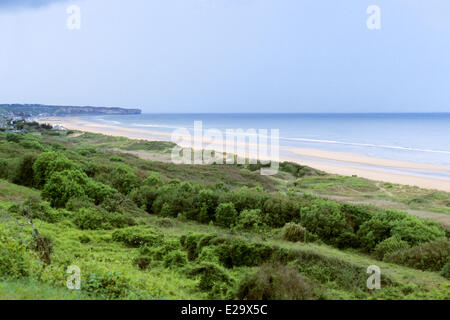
[[188, 56]]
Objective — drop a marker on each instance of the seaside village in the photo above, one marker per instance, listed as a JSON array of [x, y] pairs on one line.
[[14, 123]]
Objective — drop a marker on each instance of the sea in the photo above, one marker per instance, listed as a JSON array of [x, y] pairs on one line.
[[415, 137]]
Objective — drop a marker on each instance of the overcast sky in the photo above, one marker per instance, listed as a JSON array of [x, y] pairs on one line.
[[228, 55]]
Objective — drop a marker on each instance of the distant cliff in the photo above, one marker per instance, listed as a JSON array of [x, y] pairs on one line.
[[33, 110]]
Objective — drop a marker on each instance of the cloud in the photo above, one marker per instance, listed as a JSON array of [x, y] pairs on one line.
[[5, 4]]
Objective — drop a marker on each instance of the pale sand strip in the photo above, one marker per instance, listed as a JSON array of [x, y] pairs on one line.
[[324, 162]]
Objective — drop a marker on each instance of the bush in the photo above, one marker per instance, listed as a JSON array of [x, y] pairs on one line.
[[154, 180], [383, 225], [142, 262], [98, 191], [390, 245], [24, 174], [213, 279], [445, 272], [84, 239], [15, 261], [226, 214], [431, 256], [325, 219], [14, 137], [238, 252], [47, 164], [250, 220], [94, 219], [294, 232], [276, 282], [123, 179], [63, 186], [143, 197], [105, 284], [175, 258], [138, 236]]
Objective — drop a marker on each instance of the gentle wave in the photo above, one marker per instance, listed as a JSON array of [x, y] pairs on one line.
[[366, 145], [158, 126], [109, 121]]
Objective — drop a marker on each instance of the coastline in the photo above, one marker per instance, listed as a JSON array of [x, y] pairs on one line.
[[346, 164]]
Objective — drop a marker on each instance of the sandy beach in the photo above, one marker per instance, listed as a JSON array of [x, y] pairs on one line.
[[348, 164]]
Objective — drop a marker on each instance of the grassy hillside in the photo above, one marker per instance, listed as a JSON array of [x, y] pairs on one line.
[[140, 227]]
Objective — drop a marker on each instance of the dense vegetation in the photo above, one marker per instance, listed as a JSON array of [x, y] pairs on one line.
[[145, 229]]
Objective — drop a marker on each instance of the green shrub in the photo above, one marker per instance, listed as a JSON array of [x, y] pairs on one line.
[[24, 174], [123, 179], [15, 261], [389, 245], [105, 284], [276, 282], [431, 256], [383, 225], [142, 262], [153, 180], [138, 236], [325, 219], [175, 258], [194, 242], [239, 252], [84, 239], [415, 230], [294, 232], [64, 185], [14, 137], [49, 163], [213, 279], [226, 214], [445, 272], [95, 219], [98, 191], [250, 220]]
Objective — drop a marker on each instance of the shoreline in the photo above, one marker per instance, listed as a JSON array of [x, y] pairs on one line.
[[422, 175]]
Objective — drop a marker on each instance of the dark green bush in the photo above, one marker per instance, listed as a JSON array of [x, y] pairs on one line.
[[138, 236], [24, 174], [276, 282], [431, 256], [238, 252], [325, 219], [390, 245], [383, 225], [84, 239], [14, 137], [213, 279], [15, 261], [105, 284], [250, 220], [63, 186], [95, 219], [445, 272], [49, 163], [294, 232], [123, 179], [226, 215], [142, 262]]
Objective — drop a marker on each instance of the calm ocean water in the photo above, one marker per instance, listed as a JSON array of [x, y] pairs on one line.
[[409, 137]]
